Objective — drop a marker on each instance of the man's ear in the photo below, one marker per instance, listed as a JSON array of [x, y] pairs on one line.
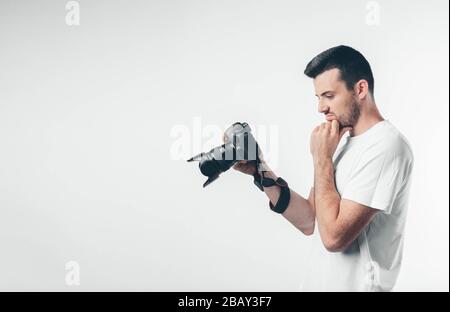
[[362, 89]]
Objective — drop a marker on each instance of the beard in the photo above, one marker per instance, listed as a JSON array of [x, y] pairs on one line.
[[351, 117]]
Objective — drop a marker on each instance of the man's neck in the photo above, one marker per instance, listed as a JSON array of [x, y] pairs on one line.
[[368, 118]]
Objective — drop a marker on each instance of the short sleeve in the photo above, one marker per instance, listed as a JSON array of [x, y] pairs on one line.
[[377, 179]]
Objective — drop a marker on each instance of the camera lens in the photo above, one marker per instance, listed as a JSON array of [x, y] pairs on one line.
[[209, 167], [239, 145]]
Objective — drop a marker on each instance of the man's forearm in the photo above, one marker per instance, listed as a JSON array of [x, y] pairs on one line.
[[299, 212], [327, 199]]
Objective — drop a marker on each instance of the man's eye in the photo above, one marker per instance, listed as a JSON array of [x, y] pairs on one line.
[[329, 96]]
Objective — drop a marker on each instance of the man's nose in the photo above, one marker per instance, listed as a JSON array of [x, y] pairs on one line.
[[323, 108]]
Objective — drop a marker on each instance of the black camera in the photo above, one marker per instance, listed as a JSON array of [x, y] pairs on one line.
[[239, 145]]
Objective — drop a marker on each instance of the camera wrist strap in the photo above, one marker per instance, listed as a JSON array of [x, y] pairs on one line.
[[261, 181]]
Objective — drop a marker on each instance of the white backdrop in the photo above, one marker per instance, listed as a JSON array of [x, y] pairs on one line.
[[89, 116]]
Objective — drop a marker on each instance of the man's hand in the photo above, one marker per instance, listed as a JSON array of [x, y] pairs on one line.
[[325, 139], [245, 166]]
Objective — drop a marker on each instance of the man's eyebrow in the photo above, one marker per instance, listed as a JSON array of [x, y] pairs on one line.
[[323, 93]]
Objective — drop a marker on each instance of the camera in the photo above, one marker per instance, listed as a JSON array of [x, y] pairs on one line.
[[239, 145]]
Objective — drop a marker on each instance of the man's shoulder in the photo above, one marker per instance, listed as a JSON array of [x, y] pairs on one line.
[[392, 141]]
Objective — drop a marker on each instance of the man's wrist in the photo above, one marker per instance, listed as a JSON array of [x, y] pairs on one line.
[[270, 175], [321, 161], [264, 177]]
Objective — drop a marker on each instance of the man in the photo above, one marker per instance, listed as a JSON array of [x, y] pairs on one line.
[[357, 206]]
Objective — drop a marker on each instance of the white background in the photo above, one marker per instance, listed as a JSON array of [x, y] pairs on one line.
[[86, 114]]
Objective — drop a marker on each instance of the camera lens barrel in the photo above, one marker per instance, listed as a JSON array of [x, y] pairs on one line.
[[218, 160]]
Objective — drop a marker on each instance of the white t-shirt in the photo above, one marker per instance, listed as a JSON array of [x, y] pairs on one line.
[[373, 169]]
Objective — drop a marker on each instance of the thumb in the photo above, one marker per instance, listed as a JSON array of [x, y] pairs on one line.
[[343, 131]]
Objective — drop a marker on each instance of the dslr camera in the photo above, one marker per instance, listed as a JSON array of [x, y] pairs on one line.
[[239, 145]]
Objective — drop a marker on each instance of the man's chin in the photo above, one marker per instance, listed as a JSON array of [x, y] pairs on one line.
[[342, 125]]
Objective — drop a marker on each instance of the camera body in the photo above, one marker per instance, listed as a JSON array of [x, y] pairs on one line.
[[239, 145]]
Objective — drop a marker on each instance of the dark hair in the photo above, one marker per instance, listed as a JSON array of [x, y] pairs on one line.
[[352, 65]]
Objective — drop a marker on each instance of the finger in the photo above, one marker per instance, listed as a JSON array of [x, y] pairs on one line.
[[325, 128], [237, 166], [334, 127]]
